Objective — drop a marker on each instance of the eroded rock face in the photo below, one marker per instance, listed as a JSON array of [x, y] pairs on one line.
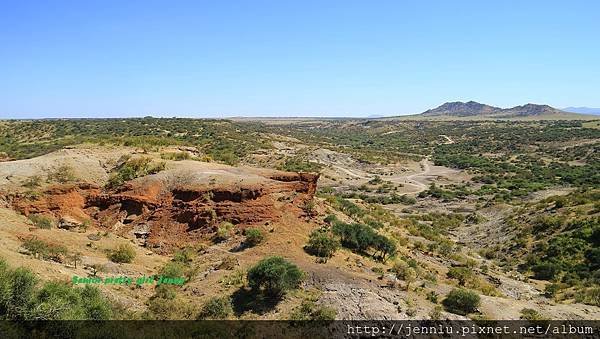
[[178, 207]]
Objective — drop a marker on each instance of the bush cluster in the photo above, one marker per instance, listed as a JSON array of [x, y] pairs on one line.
[[130, 169], [21, 298], [274, 276], [124, 253], [360, 237]]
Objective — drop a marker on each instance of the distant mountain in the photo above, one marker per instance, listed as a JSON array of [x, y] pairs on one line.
[[528, 110], [582, 110], [460, 109], [375, 116]]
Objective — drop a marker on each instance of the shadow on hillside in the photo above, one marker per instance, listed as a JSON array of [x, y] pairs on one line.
[[245, 300], [238, 248]]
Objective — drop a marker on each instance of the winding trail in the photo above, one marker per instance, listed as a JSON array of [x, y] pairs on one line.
[[413, 179], [414, 183]]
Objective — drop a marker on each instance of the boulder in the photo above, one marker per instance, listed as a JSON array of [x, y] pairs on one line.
[[94, 237], [69, 223]]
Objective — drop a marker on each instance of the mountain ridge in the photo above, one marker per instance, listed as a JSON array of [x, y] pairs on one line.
[[459, 108], [476, 109]]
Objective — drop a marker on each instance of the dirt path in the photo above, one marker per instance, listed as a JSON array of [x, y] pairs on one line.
[[414, 180], [417, 180], [448, 140]]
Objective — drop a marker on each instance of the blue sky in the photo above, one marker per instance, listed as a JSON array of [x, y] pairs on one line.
[[292, 58]]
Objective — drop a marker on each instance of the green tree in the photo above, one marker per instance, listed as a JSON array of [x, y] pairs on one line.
[[322, 244], [461, 301], [384, 245], [274, 276]]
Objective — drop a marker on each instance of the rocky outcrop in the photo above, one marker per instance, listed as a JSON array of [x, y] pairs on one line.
[[69, 223], [178, 207]]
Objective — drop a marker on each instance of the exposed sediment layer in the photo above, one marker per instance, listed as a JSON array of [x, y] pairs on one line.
[[178, 207]]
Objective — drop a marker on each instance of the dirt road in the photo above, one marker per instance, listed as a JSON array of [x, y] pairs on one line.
[[415, 180]]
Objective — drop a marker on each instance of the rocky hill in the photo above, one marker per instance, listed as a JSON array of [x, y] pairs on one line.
[[527, 111], [461, 109], [474, 109]]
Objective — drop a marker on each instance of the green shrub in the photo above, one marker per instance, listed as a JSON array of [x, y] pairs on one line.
[[432, 296], [43, 250], [545, 271], [299, 165], [531, 314], [63, 174], [176, 156], [354, 236], [18, 290], [56, 300], [461, 301], [462, 274], [551, 290], [310, 207], [216, 308], [330, 219], [590, 296], [361, 237], [184, 255], [40, 221], [21, 299], [322, 244], [274, 276], [308, 310], [384, 246], [224, 231], [96, 306], [166, 292], [122, 254], [405, 272], [254, 236], [173, 269], [134, 168]]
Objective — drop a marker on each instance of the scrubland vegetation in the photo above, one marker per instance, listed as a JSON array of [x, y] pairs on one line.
[[528, 189], [24, 297], [218, 139]]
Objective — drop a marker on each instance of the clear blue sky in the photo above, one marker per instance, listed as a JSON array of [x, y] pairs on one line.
[[292, 58]]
